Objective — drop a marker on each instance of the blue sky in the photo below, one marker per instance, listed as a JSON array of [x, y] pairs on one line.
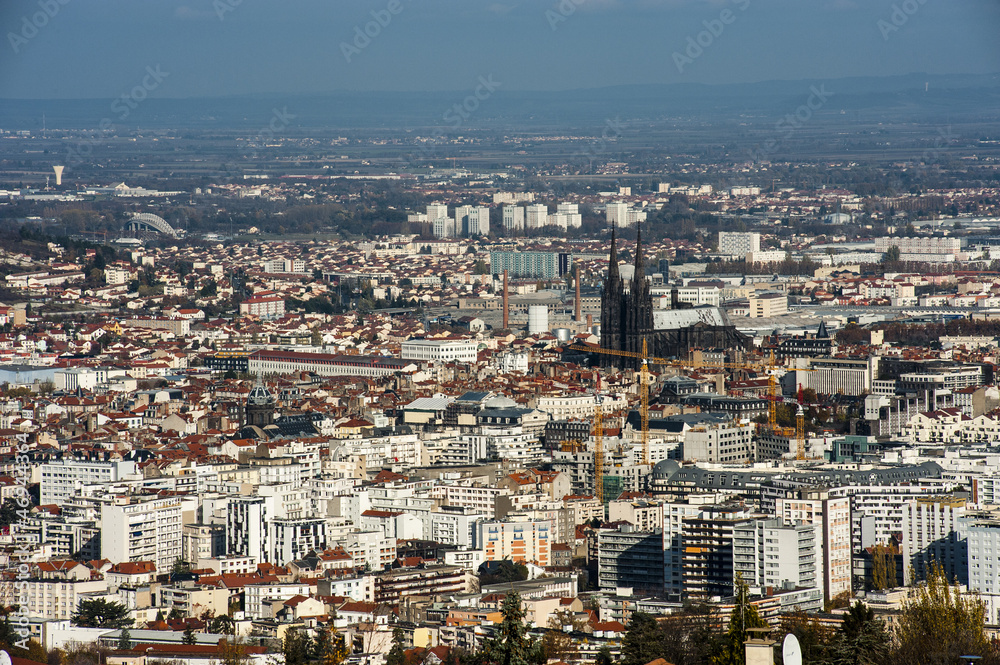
[[98, 48]]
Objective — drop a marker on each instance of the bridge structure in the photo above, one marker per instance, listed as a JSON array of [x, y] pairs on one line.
[[145, 221]]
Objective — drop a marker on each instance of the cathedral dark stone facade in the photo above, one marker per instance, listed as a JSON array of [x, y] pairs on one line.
[[627, 319]]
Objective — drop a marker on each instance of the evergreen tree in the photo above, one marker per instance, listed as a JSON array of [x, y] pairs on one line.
[[743, 617], [644, 641], [125, 640], [862, 639], [604, 656], [396, 654], [511, 644], [189, 636], [100, 613]]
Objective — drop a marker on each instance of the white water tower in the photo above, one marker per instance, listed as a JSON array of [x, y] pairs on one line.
[[59, 171]]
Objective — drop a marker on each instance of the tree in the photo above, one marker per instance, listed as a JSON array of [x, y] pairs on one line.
[[100, 613], [743, 617], [939, 624], [189, 636], [511, 644], [397, 655], [223, 624], [604, 656], [891, 255], [125, 640], [643, 641], [297, 647], [233, 652], [862, 639], [480, 268]]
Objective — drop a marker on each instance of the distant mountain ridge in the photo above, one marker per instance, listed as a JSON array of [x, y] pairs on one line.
[[913, 97]]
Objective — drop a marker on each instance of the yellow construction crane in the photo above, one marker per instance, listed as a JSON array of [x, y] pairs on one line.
[[645, 358]]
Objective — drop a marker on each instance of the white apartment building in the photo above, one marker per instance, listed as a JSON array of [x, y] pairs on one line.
[[246, 527], [877, 511], [770, 553], [521, 541], [436, 211], [143, 530], [442, 350], [931, 532], [292, 539], [60, 479], [729, 442], [578, 407], [513, 218], [833, 518], [450, 528], [536, 216], [983, 557], [444, 227], [57, 600], [643, 515], [699, 295], [844, 376], [480, 499], [256, 596], [370, 548], [738, 244], [622, 214], [766, 305]]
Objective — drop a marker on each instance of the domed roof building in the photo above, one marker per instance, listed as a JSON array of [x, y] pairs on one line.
[[259, 409]]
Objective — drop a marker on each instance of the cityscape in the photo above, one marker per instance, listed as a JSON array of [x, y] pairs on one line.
[[340, 350]]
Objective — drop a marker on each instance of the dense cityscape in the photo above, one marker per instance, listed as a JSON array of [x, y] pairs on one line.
[[674, 376]]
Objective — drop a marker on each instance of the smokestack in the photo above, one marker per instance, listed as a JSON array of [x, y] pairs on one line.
[[579, 315], [590, 322], [506, 304]]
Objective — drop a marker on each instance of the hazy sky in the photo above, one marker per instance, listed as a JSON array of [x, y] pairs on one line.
[[100, 48]]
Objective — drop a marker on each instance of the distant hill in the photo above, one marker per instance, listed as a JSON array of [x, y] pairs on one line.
[[912, 98]]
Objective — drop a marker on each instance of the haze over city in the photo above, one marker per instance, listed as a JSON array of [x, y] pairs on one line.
[[570, 332]]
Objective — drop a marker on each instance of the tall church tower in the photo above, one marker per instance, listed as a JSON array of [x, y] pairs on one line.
[[611, 308], [638, 311]]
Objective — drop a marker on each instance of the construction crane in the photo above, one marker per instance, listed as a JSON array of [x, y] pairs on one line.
[[769, 365]]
